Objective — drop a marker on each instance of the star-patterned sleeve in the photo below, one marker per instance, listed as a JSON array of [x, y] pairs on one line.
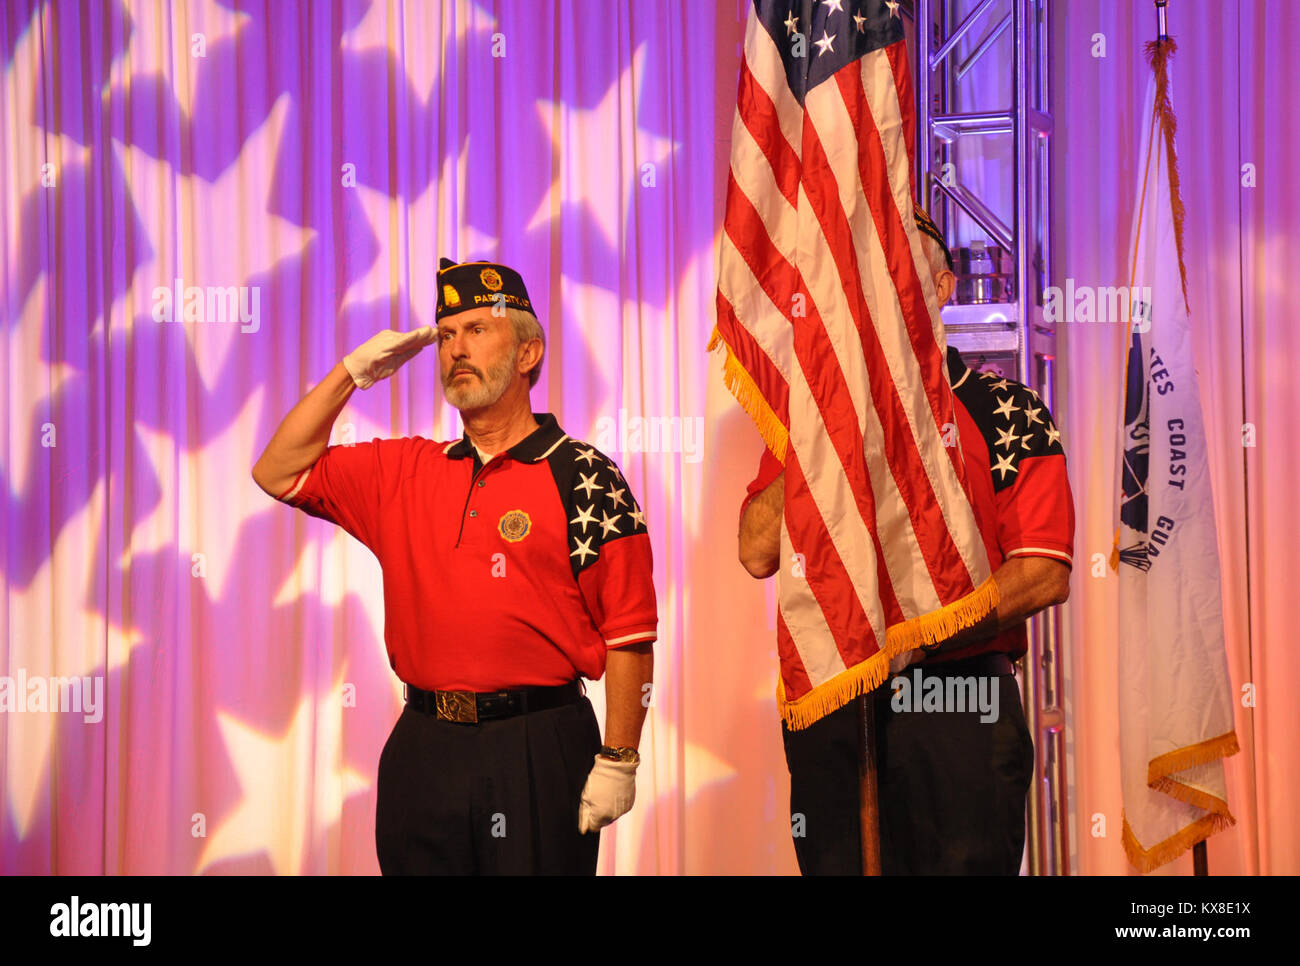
[[609, 546], [348, 485], [1031, 488]]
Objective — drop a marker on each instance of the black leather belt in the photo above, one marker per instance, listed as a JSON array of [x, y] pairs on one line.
[[469, 707], [981, 665]]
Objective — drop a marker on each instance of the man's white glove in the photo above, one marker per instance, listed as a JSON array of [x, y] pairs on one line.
[[383, 354], [609, 793]]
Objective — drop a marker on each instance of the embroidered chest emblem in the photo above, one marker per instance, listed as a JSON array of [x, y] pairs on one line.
[[514, 525]]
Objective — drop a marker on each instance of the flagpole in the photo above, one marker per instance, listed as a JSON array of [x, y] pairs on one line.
[[868, 804], [1200, 856]]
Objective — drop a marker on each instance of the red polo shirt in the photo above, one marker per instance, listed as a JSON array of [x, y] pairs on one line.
[[1021, 493], [521, 572]]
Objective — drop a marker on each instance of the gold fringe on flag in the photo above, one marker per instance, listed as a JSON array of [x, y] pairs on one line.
[[1162, 769], [1202, 753], [924, 631], [742, 386], [1147, 860]]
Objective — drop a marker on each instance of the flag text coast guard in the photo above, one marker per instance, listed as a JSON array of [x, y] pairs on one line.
[[1175, 699]]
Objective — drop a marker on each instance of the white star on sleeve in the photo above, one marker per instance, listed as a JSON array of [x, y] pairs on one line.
[[858, 21], [1003, 464], [1031, 414], [893, 8], [616, 494], [1005, 408], [1024, 443], [587, 454], [588, 484], [638, 518], [791, 24], [585, 516], [1000, 385], [1007, 436], [826, 43], [607, 523], [583, 550], [833, 6], [1053, 434]]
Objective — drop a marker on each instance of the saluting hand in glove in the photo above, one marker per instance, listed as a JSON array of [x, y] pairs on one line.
[[610, 790], [384, 353]]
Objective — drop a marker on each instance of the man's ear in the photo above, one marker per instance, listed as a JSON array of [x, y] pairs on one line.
[[944, 283], [529, 354]]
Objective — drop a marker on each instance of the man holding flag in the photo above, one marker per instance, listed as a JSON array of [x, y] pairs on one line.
[[953, 779], [1175, 698], [830, 318]]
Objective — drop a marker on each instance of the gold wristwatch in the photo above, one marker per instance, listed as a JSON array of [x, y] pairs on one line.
[[620, 754]]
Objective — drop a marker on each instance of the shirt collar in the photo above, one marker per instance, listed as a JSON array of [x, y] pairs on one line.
[[530, 449]]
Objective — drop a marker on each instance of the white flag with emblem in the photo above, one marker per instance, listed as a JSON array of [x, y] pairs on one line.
[[1175, 698]]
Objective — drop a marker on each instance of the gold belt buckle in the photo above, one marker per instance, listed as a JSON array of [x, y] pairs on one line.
[[459, 706]]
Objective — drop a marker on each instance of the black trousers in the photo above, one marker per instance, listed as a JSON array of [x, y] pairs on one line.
[[497, 797], [951, 787]]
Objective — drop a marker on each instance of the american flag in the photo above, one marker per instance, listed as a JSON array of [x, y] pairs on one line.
[[834, 346]]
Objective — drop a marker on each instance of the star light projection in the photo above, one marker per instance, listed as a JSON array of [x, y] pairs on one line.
[[201, 169], [601, 190]]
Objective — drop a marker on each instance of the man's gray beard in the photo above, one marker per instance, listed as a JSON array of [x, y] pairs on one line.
[[480, 395]]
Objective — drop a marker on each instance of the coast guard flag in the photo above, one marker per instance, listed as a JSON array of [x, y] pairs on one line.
[[1175, 699], [834, 346]]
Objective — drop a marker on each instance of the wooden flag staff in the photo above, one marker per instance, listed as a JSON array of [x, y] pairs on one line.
[[868, 805]]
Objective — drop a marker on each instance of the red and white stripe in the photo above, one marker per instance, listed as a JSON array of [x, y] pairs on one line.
[[819, 210]]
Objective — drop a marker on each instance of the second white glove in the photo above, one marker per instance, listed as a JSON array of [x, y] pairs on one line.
[[609, 793], [384, 353]]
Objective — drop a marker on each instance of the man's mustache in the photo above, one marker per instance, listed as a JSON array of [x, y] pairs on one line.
[[462, 367]]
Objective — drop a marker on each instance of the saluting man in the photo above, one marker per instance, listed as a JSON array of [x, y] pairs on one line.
[[516, 562]]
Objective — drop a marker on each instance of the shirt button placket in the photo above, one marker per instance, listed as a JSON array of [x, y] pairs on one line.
[[474, 513]]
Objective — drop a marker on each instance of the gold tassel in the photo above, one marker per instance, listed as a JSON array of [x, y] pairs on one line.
[[919, 632], [1158, 54]]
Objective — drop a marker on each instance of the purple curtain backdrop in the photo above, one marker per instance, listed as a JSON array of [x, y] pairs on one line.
[[317, 159]]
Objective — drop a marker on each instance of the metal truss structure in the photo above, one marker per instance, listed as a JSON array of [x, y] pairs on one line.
[[998, 318]]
